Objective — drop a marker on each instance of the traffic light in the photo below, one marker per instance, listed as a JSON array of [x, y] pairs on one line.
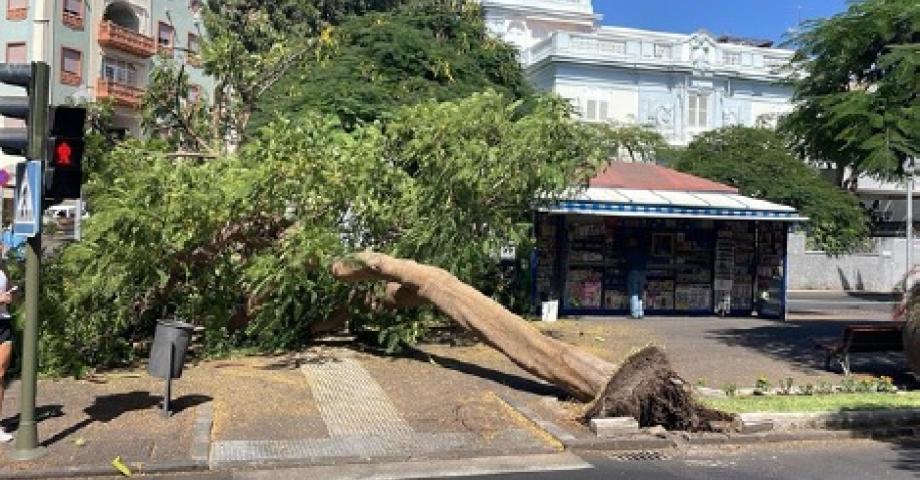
[[64, 163], [16, 141]]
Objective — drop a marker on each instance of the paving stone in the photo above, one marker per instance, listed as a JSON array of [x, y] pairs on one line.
[[610, 427], [228, 452], [756, 426]]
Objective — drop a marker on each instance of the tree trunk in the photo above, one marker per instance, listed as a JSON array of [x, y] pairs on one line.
[[644, 387], [912, 343]]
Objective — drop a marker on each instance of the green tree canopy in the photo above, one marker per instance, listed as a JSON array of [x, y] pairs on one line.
[[758, 162], [423, 50], [251, 44], [858, 98], [442, 183]]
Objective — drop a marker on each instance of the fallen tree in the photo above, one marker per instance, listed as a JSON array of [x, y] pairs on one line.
[[644, 386]]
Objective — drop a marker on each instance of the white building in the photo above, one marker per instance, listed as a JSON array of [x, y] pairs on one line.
[[678, 84]]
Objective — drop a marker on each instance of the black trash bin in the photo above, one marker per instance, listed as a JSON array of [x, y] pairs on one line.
[[170, 343]]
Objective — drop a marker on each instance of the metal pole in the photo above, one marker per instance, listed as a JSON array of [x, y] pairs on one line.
[[27, 435], [78, 220], [910, 231], [168, 394]]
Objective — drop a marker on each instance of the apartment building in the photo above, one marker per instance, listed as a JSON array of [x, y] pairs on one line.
[[104, 49]]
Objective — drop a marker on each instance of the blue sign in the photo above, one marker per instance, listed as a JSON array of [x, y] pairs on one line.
[[27, 204]]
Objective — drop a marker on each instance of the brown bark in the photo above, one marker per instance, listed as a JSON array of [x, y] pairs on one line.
[[912, 343], [644, 386]]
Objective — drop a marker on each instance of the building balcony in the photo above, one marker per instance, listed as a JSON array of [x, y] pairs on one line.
[[15, 14], [120, 93], [73, 20], [126, 40]]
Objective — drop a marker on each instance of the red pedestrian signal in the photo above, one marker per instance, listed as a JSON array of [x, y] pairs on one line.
[[62, 154]]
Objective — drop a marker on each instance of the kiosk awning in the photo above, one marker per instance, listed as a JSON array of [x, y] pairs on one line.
[[632, 202]]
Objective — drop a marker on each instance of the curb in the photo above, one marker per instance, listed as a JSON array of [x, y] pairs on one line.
[[856, 419], [554, 434], [892, 429], [82, 471], [198, 461], [201, 440], [308, 462]]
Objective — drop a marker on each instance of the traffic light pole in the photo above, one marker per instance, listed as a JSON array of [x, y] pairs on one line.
[[27, 435]]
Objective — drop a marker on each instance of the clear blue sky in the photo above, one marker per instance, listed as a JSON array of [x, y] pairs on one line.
[[766, 19]]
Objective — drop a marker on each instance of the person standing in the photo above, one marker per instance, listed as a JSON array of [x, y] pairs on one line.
[[6, 341], [635, 278]]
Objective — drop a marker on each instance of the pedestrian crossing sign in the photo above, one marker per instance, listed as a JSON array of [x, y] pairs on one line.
[[27, 206]]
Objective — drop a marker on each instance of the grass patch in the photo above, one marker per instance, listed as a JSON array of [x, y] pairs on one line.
[[815, 403]]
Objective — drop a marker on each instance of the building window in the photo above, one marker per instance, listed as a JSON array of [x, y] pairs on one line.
[[73, 14], [119, 71], [731, 58], [165, 35], [595, 110], [662, 51], [17, 9], [194, 93], [16, 53], [71, 67], [698, 106], [192, 56]]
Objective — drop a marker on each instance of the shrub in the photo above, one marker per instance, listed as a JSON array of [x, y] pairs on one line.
[[849, 384], [824, 387], [885, 385], [730, 389], [785, 385]]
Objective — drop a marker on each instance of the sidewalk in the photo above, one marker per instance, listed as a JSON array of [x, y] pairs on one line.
[[87, 424], [342, 403], [318, 407]]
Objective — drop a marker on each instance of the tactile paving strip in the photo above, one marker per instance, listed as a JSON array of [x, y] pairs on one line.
[[351, 402]]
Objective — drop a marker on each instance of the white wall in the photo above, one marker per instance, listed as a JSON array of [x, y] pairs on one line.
[[881, 269]]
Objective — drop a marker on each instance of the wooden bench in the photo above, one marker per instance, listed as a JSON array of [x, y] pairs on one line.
[[867, 338]]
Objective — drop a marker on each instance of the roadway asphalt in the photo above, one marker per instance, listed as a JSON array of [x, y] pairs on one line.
[[839, 460]]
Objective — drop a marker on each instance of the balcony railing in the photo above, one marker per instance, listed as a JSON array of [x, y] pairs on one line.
[[121, 94], [127, 40]]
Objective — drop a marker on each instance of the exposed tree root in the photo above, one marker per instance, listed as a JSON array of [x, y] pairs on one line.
[[646, 388]]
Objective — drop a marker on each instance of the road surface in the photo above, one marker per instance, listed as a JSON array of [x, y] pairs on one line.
[[838, 460]]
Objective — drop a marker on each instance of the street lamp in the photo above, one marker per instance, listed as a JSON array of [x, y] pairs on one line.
[[910, 166]]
